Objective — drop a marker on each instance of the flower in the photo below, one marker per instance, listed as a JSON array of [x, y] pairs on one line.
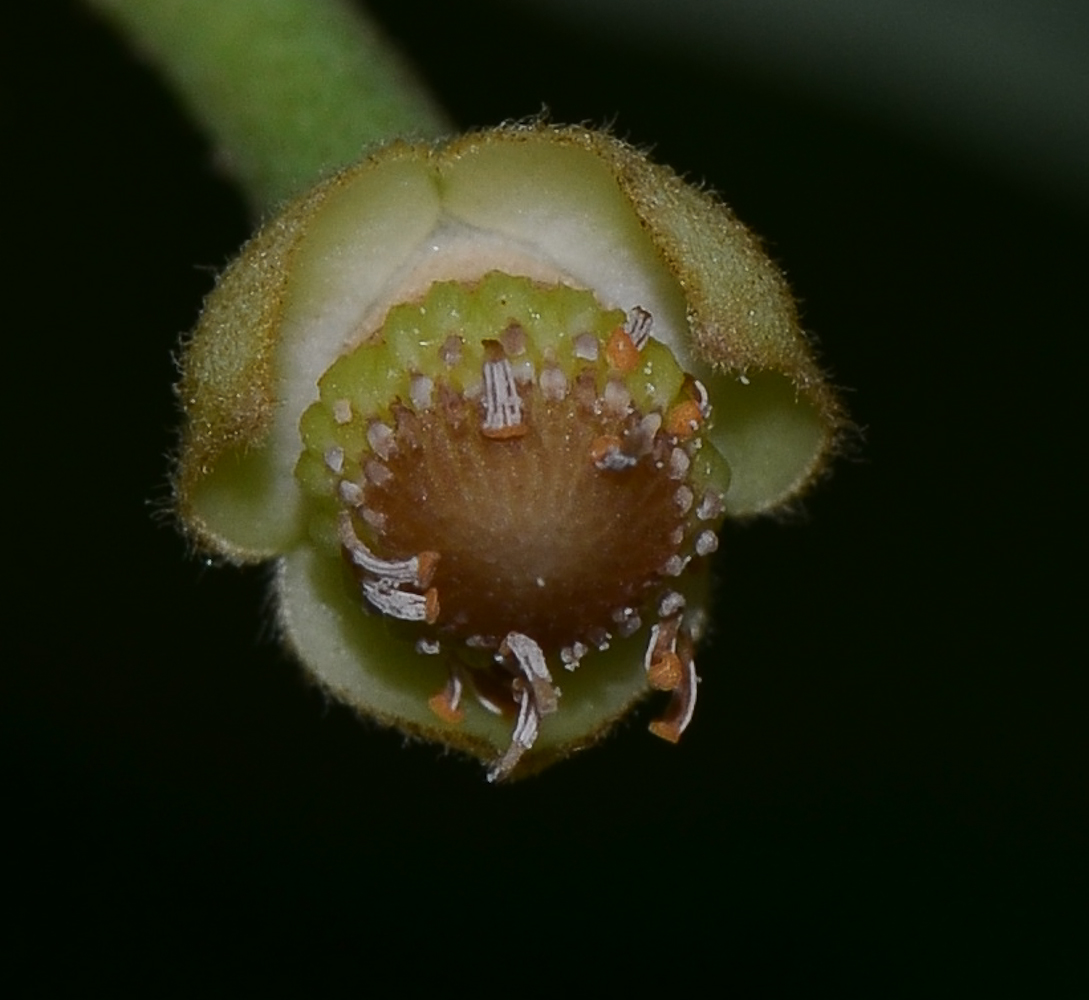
[[487, 405]]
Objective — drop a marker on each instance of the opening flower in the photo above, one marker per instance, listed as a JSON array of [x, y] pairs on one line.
[[488, 404]]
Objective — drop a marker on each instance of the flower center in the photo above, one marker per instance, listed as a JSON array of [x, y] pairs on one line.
[[516, 469], [533, 535]]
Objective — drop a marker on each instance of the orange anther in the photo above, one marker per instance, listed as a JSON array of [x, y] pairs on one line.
[[426, 563], [440, 705], [666, 673], [621, 351], [431, 606], [505, 433], [684, 419], [668, 731]]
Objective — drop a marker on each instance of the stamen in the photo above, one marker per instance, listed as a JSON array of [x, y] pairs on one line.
[[381, 439], [351, 493], [536, 698], [334, 460], [420, 390], [513, 339], [670, 604], [599, 637], [679, 463], [382, 592], [703, 401], [376, 472], [627, 621], [428, 562], [342, 411], [683, 499], [674, 566], [639, 441], [502, 406], [638, 326], [587, 347], [396, 603], [605, 453], [375, 518], [616, 397], [573, 654], [523, 737], [711, 506], [531, 662], [661, 662], [446, 704], [670, 667], [450, 352], [649, 427], [393, 572], [684, 419], [621, 351], [431, 605], [706, 543], [665, 673], [553, 384], [683, 703]]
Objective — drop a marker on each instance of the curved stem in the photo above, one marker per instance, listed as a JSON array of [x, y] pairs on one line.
[[289, 90]]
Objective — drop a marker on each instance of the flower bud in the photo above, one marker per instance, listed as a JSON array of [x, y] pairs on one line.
[[488, 404]]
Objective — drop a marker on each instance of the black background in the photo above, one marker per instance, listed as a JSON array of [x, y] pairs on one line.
[[884, 788]]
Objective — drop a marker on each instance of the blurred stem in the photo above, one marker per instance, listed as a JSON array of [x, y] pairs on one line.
[[289, 90]]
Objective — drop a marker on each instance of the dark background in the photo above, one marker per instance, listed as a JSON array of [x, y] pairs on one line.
[[884, 789]]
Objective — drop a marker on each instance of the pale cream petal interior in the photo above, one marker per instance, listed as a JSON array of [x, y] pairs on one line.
[[356, 241]]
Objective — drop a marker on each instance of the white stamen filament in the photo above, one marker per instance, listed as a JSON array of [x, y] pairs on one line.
[[704, 400], [502, 406], [401, 571], [523, 737], [530, 659], [395, 603], [536, 698]]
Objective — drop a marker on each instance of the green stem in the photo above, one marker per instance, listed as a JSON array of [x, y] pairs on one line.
[[289, 90]]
